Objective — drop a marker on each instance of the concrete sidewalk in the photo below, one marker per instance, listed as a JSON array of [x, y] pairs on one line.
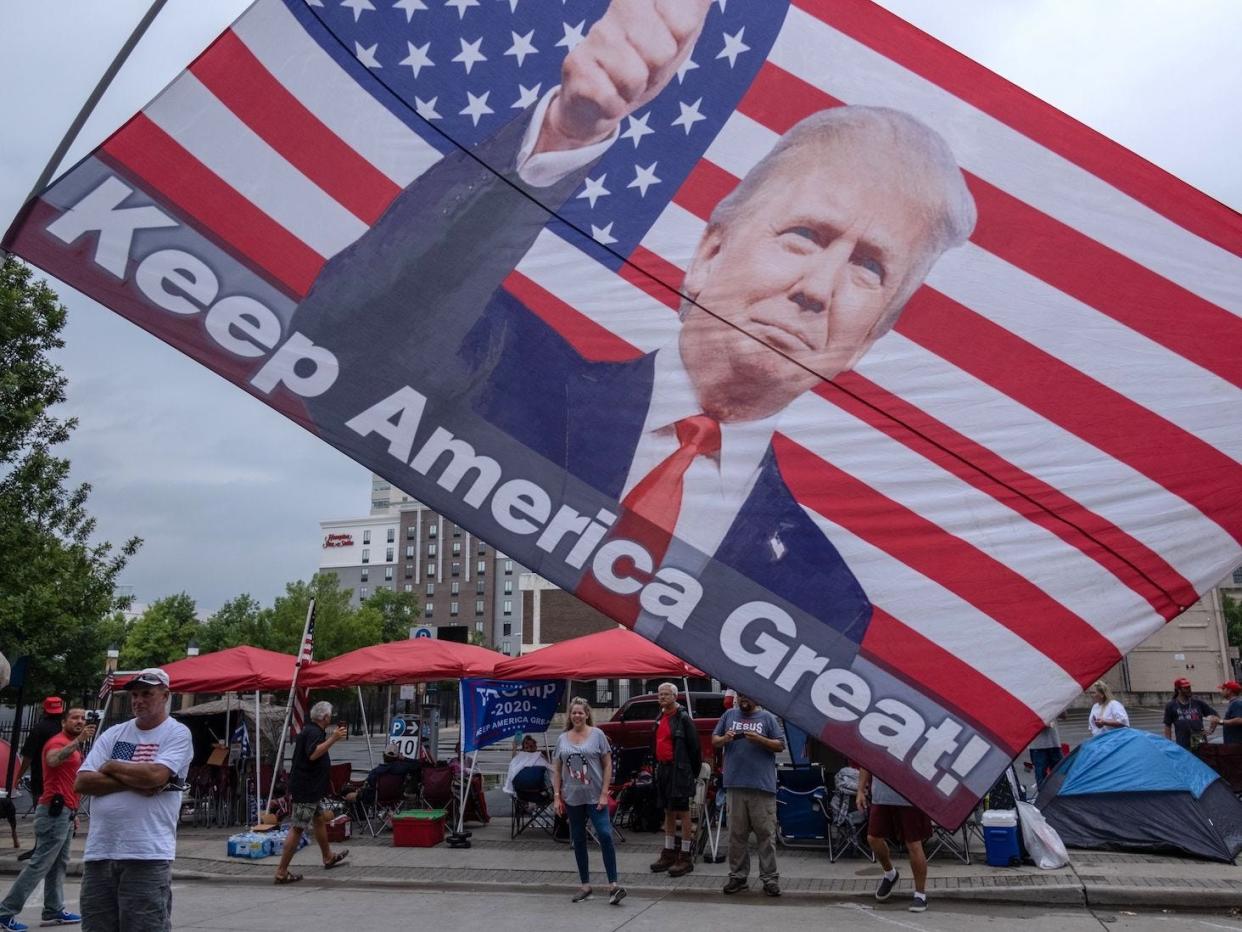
[[535, 861]]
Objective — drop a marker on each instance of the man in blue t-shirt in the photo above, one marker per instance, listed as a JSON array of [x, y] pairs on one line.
[[1232, 722], [751, 739]]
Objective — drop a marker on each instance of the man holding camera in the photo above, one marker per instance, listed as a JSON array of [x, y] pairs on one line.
[[58, 804], [308, 786], [135, 771]]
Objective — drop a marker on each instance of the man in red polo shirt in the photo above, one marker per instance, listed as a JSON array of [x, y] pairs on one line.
[[678, 759], [62, 756]]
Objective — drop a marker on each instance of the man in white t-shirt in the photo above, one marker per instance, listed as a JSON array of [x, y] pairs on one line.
[[135, 771]]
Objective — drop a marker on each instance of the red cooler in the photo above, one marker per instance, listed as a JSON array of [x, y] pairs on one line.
[[418, 828]]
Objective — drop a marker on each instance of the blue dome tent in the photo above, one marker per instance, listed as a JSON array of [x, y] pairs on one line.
[[1127, 789]]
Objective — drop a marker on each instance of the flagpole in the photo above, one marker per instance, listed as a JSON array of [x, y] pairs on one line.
[[71, 134], [258, 760], [366, 728], [293, 688]]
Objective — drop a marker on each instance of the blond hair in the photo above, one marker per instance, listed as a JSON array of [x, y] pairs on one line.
[[578, 700], [1103, 689]]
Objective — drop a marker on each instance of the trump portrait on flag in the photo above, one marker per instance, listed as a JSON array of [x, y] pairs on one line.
[[800, 269]]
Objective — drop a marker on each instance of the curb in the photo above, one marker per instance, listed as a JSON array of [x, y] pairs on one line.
[[1188, 898]]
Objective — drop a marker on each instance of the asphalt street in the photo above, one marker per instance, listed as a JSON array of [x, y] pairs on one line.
[[251, 908]]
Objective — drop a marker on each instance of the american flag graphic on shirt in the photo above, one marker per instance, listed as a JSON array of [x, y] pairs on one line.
[[1032, 473], [141, 753]]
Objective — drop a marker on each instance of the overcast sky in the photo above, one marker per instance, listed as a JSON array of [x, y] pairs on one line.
[[228, 495]]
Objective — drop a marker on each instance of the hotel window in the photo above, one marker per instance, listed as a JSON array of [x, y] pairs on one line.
[[508, 587], [431, 588], [508, 566], [430, 609], [478, 626], [453, 609], [366, 537], [482, 567], [478, 606], [432, 529], [388, 573], [480, 586], [431, 569], [431, 550], [456, 531], [457, 548], [456, 568], [455, 588], [482, 548], [409, 552], [363, 592], [409, 571], [508, 606], [392, 534], [409, 532], [366, 555], [389, 553], [408, 588], [364, 575], [506, 629]]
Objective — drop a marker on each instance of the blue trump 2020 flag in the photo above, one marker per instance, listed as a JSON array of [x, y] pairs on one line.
[[492, 710]]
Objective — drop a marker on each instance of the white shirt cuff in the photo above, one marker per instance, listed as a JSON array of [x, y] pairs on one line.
[[547, 168]]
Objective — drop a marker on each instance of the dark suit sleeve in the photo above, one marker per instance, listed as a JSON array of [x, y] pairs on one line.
[[403, 297]]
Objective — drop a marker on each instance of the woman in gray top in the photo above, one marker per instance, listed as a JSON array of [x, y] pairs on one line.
[[581, 774]]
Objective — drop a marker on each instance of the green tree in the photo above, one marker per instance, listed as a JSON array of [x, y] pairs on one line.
[[398, 611], [238, 621], [162, 634], [56, 585], [1233, 619], [338, 627]]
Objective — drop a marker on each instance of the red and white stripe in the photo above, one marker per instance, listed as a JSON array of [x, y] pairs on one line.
[[1032, 473]]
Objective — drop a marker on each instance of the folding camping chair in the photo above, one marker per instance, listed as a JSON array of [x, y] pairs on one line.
[[801, 821], [847, 824], [955, 843], [711, 817], [386, 800], [532, 802]]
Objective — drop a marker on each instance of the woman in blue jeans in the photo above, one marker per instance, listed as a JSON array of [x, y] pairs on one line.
[[580, 779]]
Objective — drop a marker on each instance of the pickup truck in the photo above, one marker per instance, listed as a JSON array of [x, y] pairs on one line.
[[631, 730]]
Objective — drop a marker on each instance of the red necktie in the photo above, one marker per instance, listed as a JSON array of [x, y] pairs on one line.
[[650, 511]]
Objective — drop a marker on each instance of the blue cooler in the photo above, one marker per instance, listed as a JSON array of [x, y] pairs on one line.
[[1000, 837]]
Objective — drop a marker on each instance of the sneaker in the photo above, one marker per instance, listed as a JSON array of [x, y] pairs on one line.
[[10, 924], [771, 888], [63, 918], [885, 889], [581, 895], [735, 885], [919, 905], [668, 857], [616, 895]]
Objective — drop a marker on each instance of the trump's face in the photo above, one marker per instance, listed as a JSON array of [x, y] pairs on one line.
[[801, 278]]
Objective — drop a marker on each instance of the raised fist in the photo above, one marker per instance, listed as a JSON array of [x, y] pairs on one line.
[[627, 58]]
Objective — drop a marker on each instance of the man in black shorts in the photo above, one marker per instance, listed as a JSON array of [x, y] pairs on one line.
[[309, 785], [893, 817], [678, 758]]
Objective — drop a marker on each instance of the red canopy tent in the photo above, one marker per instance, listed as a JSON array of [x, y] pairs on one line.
[[237, 669], [411, 661], [616, 653]]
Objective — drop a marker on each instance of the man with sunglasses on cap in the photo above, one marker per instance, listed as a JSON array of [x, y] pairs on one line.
[[135, 772], [1184, 715], [58, 804]]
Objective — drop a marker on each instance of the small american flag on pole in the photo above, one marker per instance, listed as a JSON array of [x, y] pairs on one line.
[[106, 689], [301, 697]]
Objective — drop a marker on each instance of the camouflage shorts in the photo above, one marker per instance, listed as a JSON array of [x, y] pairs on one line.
[[305, 814]]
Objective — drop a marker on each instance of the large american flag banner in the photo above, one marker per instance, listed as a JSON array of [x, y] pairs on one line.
[[1031, 473]]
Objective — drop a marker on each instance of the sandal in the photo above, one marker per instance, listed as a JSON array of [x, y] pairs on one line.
[[287, 878], [337, 859]]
